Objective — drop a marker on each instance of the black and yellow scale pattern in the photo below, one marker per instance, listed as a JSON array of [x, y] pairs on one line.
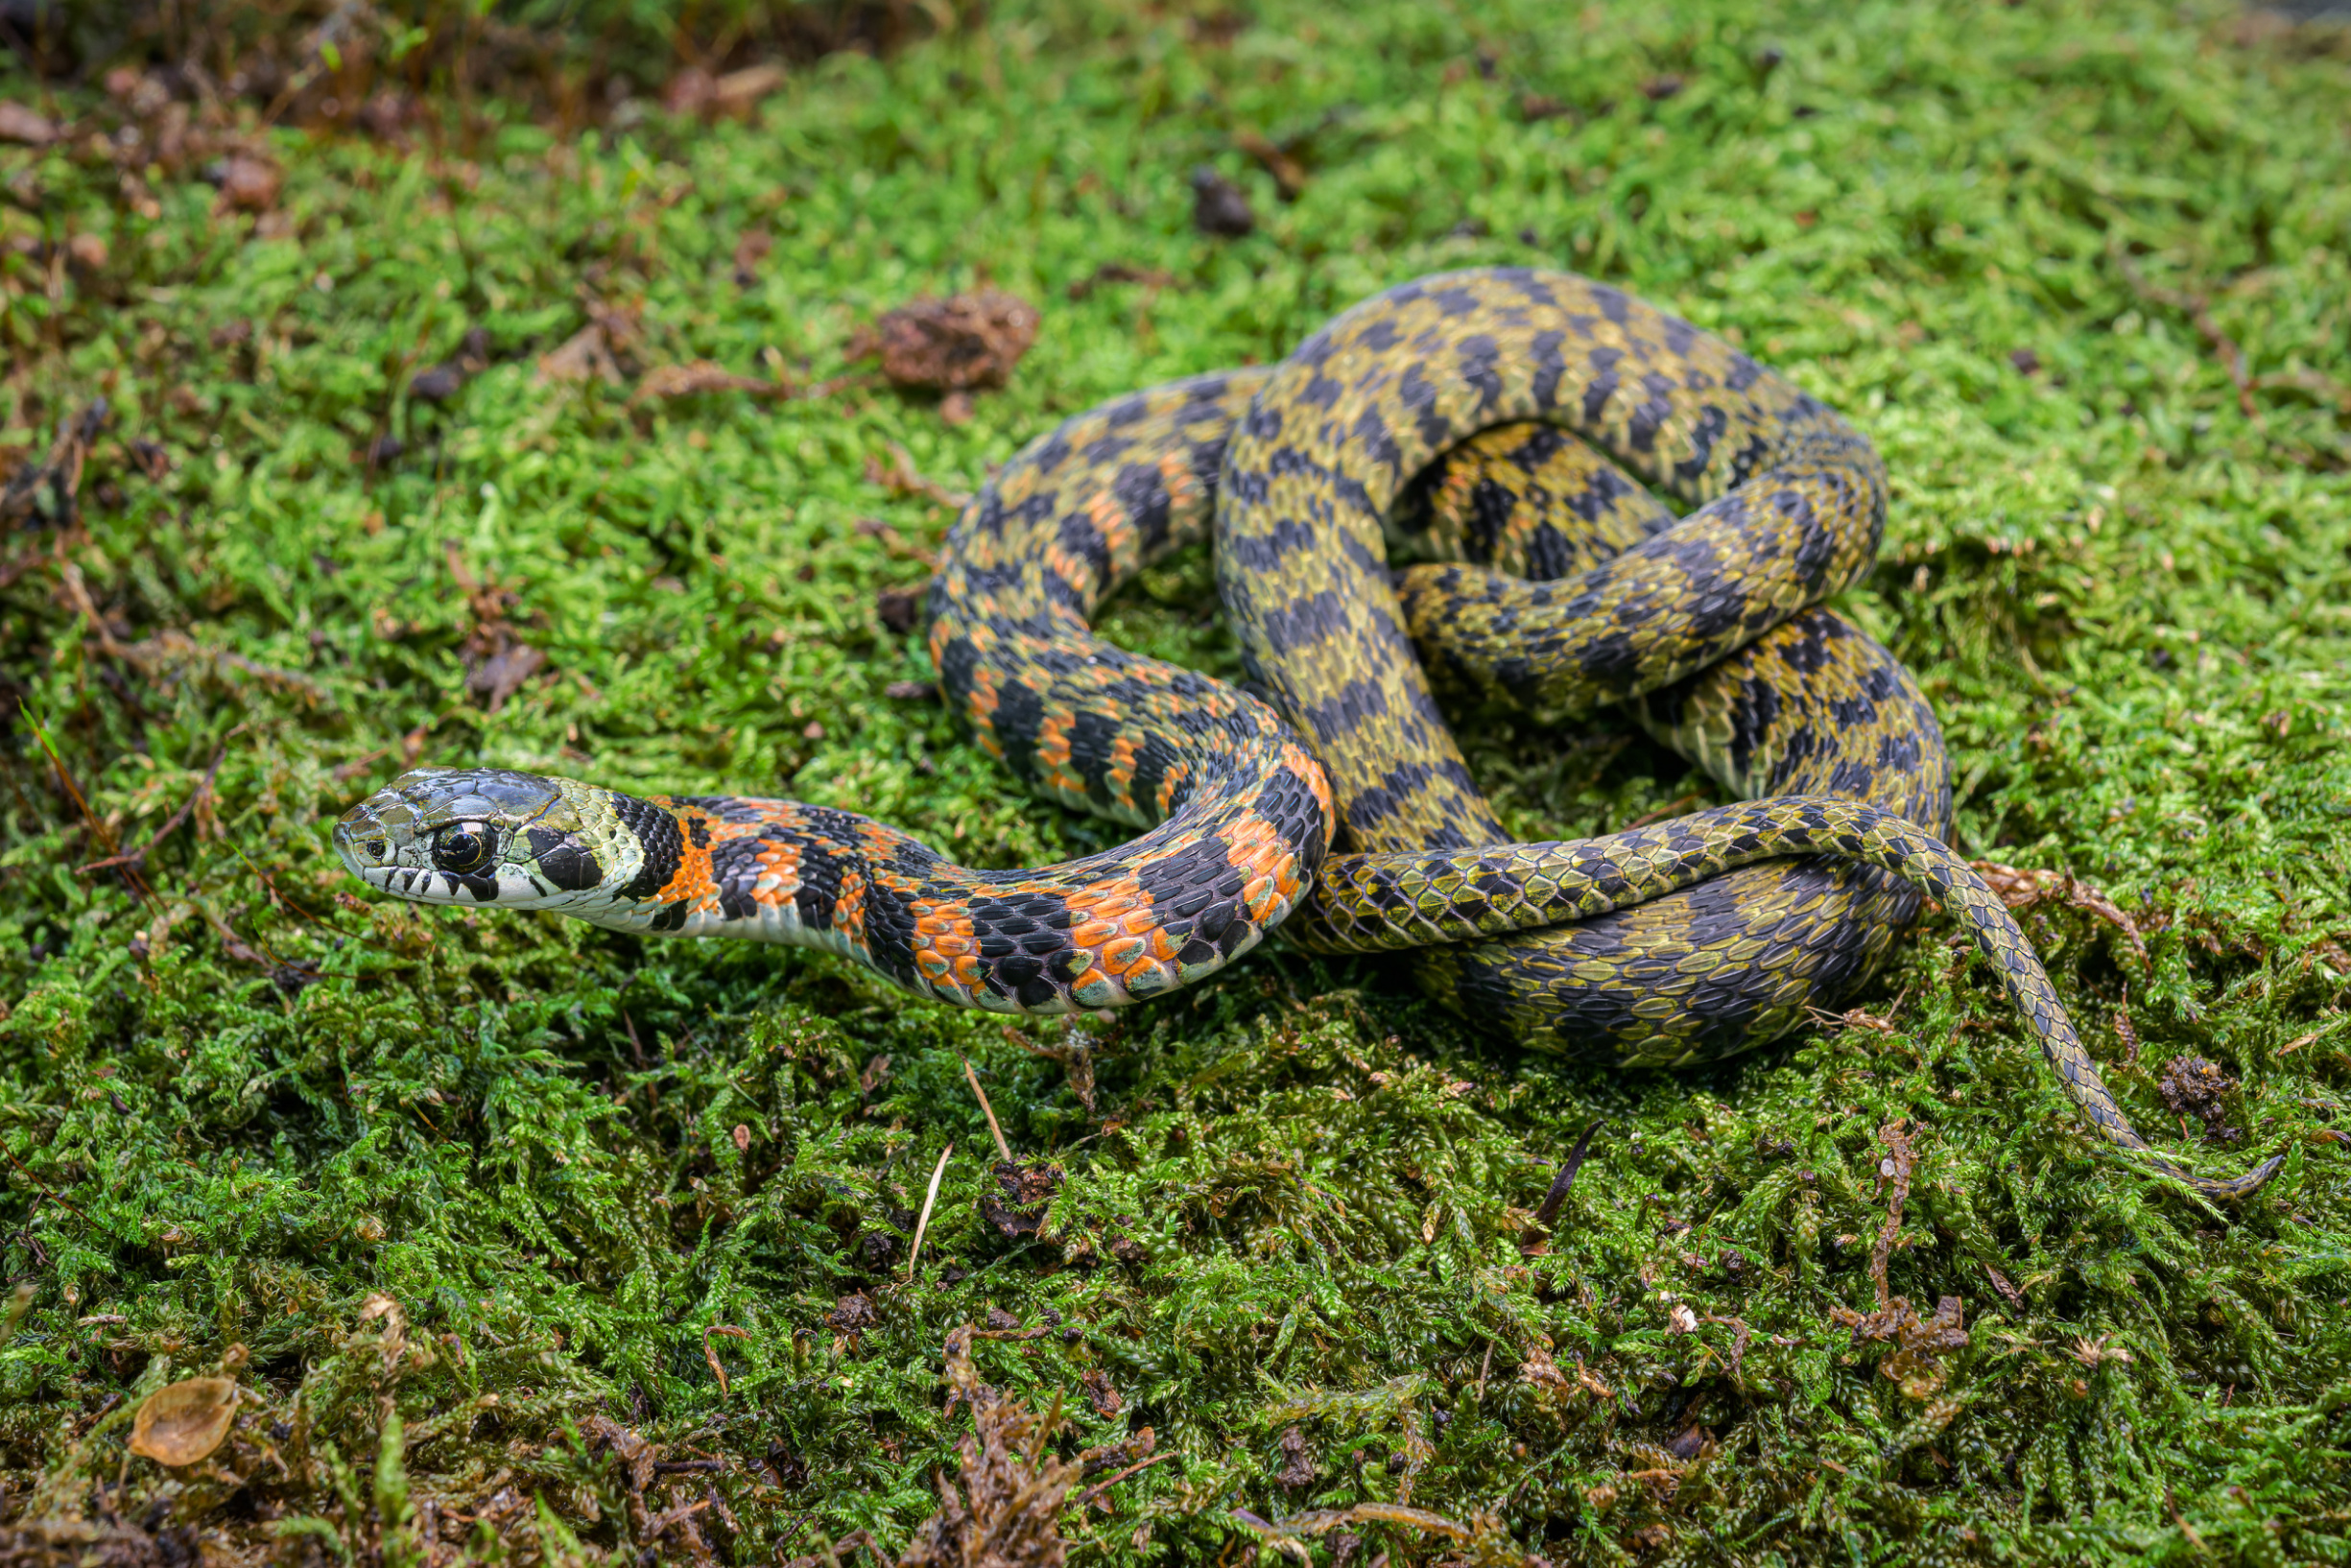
[[1462, 418]]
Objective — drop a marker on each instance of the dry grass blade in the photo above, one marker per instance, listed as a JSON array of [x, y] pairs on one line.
[[1004, 1150], [930, 1199]]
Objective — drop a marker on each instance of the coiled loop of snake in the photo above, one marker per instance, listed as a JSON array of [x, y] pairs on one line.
[[1683, 942]]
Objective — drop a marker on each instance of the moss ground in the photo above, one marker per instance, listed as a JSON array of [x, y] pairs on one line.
[[244, 1113]]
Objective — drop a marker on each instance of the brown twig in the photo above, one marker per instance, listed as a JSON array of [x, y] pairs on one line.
[[1107, 1482], [53, 1195], [138, 858], [98, 829]]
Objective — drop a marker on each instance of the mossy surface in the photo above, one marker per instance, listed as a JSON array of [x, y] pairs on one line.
[[516, 1182]]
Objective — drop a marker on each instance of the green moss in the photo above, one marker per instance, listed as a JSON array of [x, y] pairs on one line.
[[241, 1106]]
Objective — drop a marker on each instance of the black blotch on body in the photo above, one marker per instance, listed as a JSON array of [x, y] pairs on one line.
[[563, 860], [656, 831]]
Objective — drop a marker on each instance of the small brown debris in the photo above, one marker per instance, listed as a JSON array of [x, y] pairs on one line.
[[386, 113], [901, 478], [901, 609], [248, 183], [956, 408], [1006, 1514], [701, 375], [2196, 1086], [586, 355], [20, 123], [1658, 88], [1297, 1464], [1289, 175], [1100, 1393], [742, 1136], [1539, 1371], [445, 380], [437, 385], [1026, 1191], [737, 91], [87, 252], [696, 91], [183, 1422], [751, 247], [2021, 890], [1692, 1442], [497, 660], [1118, 271], [1534, 108], [952, 345], [911, 690], [690, 91], [23, 503], [150, 458], [853, 1314], [2026, 361], [1219, 206]]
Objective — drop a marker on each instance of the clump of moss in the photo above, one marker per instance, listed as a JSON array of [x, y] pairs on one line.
[[526, 1239]]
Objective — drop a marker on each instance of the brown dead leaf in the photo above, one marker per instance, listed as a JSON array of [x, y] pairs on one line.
[[953, 345], [20, 123], [1543, 1372], [183, 1422]]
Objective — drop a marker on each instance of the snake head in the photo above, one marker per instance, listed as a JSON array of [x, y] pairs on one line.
[[483, 835]]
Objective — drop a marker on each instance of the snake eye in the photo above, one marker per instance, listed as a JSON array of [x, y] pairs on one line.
[[462, 847]]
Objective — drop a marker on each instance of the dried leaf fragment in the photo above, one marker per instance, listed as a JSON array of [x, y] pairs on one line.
[[183, 1422]]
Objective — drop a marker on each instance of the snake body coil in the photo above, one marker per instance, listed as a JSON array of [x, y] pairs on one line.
[[1462, 417]]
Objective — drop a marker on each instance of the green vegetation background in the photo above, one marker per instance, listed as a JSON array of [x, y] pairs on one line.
[[239, 1109]]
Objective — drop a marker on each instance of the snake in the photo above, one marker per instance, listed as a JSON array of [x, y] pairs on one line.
[[1465, 486]]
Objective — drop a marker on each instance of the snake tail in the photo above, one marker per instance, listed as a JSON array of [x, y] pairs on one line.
[[1388, 902]]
